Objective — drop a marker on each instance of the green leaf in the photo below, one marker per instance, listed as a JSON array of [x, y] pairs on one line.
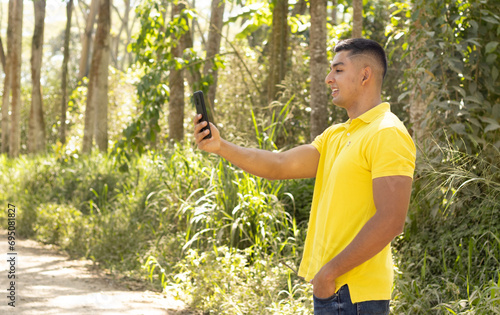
[[489, 120], [489, 19], [491, 47], [494, 73], [472, 87], [491, 58], [460, 90], [491, 127], [458, 128], [495, 111]]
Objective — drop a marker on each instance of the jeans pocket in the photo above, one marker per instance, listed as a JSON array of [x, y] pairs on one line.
[[327, 299], [373, 307]]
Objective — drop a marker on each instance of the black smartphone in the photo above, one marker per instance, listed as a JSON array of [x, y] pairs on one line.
[[199, 101]]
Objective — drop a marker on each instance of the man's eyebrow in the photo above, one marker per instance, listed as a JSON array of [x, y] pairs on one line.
[[336, 64]]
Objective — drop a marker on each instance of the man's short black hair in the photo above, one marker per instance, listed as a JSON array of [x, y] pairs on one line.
[[358, 46]]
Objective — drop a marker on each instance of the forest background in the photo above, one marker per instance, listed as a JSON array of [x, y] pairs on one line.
[[98, 156]]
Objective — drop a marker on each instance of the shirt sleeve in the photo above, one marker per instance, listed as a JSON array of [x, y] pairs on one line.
[[391, 152], [318, 141]]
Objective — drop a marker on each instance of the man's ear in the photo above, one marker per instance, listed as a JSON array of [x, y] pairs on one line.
[[367, 73]]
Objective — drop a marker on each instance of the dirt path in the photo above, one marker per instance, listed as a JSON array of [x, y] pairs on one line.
[[49, 282]]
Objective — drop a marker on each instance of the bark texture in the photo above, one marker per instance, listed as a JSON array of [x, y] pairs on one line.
[[420, 87], [7, 83], [299, 8], [96, 113], [36, 126], [318, 68], [279, 47], [87, 39], [2, 56], [17, 30], [64, 80], [333, 19], [176, 84], [357, 18], [213, 48]]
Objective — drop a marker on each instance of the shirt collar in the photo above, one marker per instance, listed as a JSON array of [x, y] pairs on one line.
[[373, 113]]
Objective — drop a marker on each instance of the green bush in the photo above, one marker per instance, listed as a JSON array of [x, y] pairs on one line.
[[223, 281], [56, 224], [230, 242]]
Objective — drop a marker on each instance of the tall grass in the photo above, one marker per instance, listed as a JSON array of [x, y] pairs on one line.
[[449, 256], [230, 243]]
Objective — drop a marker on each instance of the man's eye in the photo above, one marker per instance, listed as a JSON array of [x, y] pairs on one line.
[[339, 70]]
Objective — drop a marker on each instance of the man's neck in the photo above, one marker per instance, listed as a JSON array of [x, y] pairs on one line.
[[362, 106]]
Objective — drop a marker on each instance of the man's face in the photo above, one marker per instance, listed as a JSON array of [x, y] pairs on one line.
[[344, 79]]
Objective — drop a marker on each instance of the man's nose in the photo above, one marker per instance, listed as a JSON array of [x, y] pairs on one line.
[[329, 78]]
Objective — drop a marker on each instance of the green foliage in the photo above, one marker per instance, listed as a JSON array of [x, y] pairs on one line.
[[223, 281], [55, 224], [230, 242], [459, 67], [153, 50], [450, 252]]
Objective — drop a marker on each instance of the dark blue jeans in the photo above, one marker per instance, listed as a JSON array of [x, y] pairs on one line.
[[340, 304]]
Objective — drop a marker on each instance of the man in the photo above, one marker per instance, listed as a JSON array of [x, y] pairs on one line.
[[363, 169]]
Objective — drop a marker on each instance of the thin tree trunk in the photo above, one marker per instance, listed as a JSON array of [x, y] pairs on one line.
[[15, 130], [318, 68], [419, 83], [7, 81], [36, 126], [279, 44], [213, 48], [96, 114], [103, 40], [64, 82], [119, 61], [2, 56], [357, 18], [333, 20], [299, 8], [176, 84], [86, 40]]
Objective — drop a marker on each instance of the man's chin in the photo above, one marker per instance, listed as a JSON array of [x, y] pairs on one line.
[[337, 103]]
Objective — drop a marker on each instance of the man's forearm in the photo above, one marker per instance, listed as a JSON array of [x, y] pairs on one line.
[[258, 162], [375, 235]]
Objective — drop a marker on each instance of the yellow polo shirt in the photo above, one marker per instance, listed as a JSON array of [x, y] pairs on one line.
[[376, 144]]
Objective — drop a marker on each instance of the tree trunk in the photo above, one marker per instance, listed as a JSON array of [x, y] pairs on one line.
[[299, 8], [36, 126], [213, 48], [7, 81], [176, 84], [318, 68], [64, 82], [101, 101], [279, 47], [124, 27], [333, 20], [2, 56], [17, 30], [193, 75], [419, 83], [96, 113], [86, 40], [357, 18]]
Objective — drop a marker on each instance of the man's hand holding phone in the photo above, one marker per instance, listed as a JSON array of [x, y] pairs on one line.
[[212, 144]]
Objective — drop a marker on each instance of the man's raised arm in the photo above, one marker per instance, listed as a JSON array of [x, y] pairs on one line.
[[299, 162]]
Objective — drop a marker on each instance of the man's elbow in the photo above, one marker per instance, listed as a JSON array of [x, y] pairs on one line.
[[393, 225], [397, 227]]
